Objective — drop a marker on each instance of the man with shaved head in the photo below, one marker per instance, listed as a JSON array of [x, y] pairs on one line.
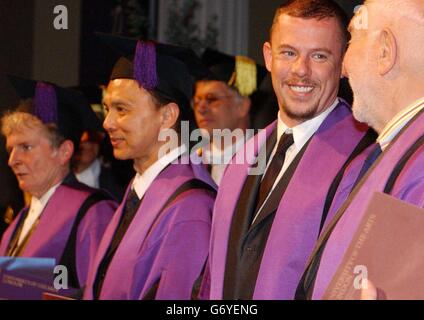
[[386, 70]]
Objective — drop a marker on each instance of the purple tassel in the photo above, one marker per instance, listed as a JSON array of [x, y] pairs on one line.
[[45, 103], [145, 65]]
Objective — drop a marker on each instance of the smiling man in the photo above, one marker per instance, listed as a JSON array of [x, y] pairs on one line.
[[266, 226], [157, 243], [65, 219], [305, 73]]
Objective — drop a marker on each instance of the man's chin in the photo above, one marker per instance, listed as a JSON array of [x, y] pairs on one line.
[[301, 115], [120, 155], [24, 187], [359, 112]]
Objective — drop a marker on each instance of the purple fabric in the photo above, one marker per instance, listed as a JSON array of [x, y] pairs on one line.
[[45, 103], [409, 187], [170, 245], [225, 204], [296, 224], [345, 187], [145, 65], [51, 235]]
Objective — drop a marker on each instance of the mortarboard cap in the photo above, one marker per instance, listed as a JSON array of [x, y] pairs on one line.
[[93, 93], [94, 96], [66, 108], [240, 72], [168, 69]]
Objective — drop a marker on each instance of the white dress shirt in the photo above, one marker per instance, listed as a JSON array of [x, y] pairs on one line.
[[143, 181], [219, 159], [90, 176], [391, 130], [35, 209], [301, 134]]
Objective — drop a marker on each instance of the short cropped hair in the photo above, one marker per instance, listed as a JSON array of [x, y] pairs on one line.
[[315, 9], [20, 121]]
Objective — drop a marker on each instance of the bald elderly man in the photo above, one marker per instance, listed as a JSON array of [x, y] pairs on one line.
[[386, 72]]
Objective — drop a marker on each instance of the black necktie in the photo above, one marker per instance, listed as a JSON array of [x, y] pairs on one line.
[[368, 163], [131, 205], [274, 168]]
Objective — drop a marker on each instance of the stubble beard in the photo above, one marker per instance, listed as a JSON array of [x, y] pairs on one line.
[[299, 115]]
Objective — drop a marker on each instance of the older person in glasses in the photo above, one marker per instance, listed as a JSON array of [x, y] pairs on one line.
[[222, 104]]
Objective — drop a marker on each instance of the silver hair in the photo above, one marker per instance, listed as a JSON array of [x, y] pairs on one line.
[[18, 121]]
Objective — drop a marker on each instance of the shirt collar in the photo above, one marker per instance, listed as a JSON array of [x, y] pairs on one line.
[[91, 174], [215, 155], [41, 202], [398, 122], [143, 181], [305, 130]]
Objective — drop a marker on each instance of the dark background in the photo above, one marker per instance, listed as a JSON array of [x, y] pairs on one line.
[[32, 48]]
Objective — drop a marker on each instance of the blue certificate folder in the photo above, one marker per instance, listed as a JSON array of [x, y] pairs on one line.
[[28, 278]]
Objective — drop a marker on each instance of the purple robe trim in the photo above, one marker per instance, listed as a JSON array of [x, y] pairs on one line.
[[52, 232], [409, 187], [296, 224], [345, 187], [170, 245]]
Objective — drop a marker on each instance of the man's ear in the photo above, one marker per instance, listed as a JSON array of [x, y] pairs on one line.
[[244, 107], [169, 115], [267, 51], [66, 150], [387, 52]]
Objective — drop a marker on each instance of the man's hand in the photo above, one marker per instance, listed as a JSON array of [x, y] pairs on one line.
[[370, 293]]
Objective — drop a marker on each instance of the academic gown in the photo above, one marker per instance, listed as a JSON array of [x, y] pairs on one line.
[[347, 183], [408, 187], [297, 221], [51, 235], [164, 249]]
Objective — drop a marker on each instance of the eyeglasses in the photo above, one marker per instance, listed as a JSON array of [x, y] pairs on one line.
[[209, 99]]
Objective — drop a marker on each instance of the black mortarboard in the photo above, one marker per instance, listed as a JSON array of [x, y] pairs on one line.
[[93, 93], [168, 69], [94, 96], [66, 108], [240, 72]]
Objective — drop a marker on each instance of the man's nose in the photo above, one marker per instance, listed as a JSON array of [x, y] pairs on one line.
[[14, 158], [301, 67], [201, 106], [109, 123]]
